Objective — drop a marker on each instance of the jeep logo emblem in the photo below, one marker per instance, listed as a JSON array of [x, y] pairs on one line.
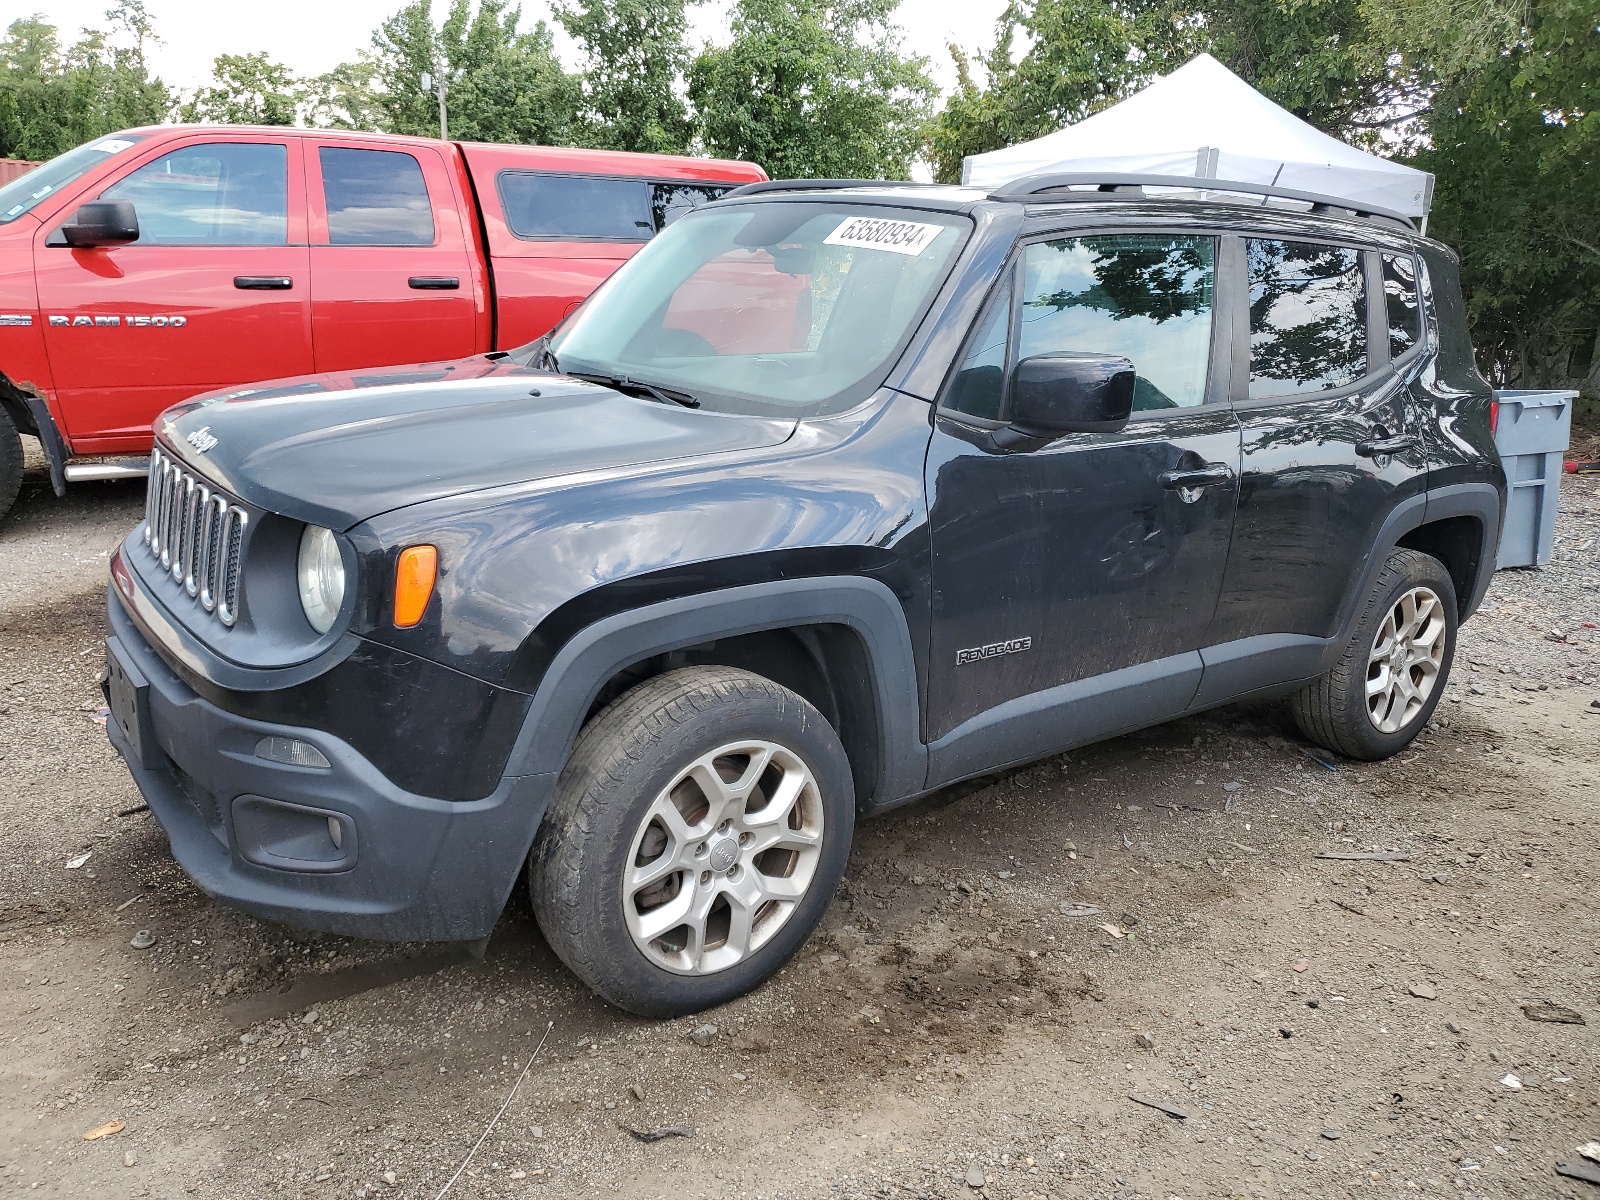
[[201, 439]]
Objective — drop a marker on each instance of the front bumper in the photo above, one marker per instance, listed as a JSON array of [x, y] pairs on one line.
[[408, 867]]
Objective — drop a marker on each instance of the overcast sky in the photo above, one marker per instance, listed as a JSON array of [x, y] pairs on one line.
[[312, 36]]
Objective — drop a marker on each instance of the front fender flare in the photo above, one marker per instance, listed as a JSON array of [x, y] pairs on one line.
[[596, 653]]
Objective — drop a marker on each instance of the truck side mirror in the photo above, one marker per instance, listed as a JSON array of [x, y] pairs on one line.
[[102, 223], [1052, 394]]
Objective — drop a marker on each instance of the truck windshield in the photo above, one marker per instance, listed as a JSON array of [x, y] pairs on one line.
[[791, 308], [45, 180]]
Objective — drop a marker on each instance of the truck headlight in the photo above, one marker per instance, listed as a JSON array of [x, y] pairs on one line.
[[321, 577]]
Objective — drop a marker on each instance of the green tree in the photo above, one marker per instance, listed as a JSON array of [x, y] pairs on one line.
[[344, 98], [1516, 151], [1082, 56], [501, 85], [635, 57], [53, 98], [245, 89], [814, 89]]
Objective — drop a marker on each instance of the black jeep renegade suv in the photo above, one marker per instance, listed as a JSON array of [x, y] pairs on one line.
[[831, 497]]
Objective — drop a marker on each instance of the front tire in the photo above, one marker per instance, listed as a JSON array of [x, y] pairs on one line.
[[10, 461], [695, 840], [1385, 686]]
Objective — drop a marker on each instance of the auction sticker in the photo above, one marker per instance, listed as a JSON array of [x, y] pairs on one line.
[[876, 233]]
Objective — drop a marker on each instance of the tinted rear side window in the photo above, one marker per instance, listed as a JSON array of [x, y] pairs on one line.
[[669, 201], [1405, 307], [1308, 317], [375, 198], [577, 206]]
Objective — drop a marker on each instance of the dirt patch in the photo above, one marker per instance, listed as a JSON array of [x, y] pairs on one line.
[[995, 978]]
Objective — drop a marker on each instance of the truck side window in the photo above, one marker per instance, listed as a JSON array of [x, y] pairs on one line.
[[576, 206], [216, 194], [1308, 317], [1405, 307], [1146, 297], [979, 382], [669, 201], [375, 198]]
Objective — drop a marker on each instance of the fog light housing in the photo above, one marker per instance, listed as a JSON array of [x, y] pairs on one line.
[[293, 837], [291, 752]]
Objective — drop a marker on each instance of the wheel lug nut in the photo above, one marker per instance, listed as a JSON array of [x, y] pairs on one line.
[[744, 839], [700, 850], [705, 876]]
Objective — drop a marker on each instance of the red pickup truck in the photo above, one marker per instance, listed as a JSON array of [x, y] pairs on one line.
[[151, 265]]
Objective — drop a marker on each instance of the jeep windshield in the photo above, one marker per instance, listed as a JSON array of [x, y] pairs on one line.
[[790, 308]]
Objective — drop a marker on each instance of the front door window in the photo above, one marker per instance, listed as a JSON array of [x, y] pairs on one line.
[[213, 194], [1144, 297]]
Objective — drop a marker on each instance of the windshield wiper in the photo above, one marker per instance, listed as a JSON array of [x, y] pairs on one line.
[[623, 384]]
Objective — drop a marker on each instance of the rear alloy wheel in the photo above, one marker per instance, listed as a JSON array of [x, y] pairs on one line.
[[1403, 666], [1385, 686], [696, 838]]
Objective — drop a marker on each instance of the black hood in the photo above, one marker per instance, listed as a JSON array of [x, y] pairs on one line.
[[335, 450]]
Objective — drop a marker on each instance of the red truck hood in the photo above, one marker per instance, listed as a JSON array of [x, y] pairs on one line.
[[337, 449]]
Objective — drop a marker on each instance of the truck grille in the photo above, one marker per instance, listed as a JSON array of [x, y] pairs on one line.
[[196, 532]]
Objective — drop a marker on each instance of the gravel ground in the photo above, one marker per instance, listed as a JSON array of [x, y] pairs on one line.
[[962, 1023]]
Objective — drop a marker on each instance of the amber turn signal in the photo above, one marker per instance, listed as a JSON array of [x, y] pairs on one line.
[[413, 584]]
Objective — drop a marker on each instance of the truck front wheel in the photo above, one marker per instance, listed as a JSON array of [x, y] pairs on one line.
[[10, 461], [695, 840]]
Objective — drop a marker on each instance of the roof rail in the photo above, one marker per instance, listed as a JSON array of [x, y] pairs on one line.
[[1036, 187], [815, 185]]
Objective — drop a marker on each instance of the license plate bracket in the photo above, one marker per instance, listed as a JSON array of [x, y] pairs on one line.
[[128, 697]]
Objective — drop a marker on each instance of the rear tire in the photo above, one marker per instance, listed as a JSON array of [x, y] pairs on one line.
[[10, 461], [695, 840], [1385, 686]]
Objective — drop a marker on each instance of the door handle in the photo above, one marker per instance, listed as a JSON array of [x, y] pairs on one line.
[[1210, 475], [435, 283], [1380, 446], [263, 283]]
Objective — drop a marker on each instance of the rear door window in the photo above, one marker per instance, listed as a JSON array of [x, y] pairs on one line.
[[1308, 317], [1404, 304], [577, 207], [375, 198], [212, 194]]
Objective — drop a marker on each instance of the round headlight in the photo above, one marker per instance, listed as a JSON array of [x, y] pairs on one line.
[[321, 577]]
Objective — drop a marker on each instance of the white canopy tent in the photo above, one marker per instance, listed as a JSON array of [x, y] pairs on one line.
[[1206, 122]]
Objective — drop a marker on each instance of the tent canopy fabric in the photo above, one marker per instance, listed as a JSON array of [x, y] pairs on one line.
[[1204, 121]]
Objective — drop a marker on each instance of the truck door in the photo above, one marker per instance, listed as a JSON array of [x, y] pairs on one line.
[[393, 275], [1096, 552], [215, 291]]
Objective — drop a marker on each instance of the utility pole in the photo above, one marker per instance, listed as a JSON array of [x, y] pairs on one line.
[[444, 128], [435, 82]]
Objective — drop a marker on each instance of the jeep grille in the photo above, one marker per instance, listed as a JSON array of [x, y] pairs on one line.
[[196, 532]]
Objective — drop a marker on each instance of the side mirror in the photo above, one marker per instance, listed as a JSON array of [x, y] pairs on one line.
[[1052, 394], [102, 223]]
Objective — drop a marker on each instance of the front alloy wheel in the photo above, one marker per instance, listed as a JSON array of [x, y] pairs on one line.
[[723, 857], [695, 839]]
